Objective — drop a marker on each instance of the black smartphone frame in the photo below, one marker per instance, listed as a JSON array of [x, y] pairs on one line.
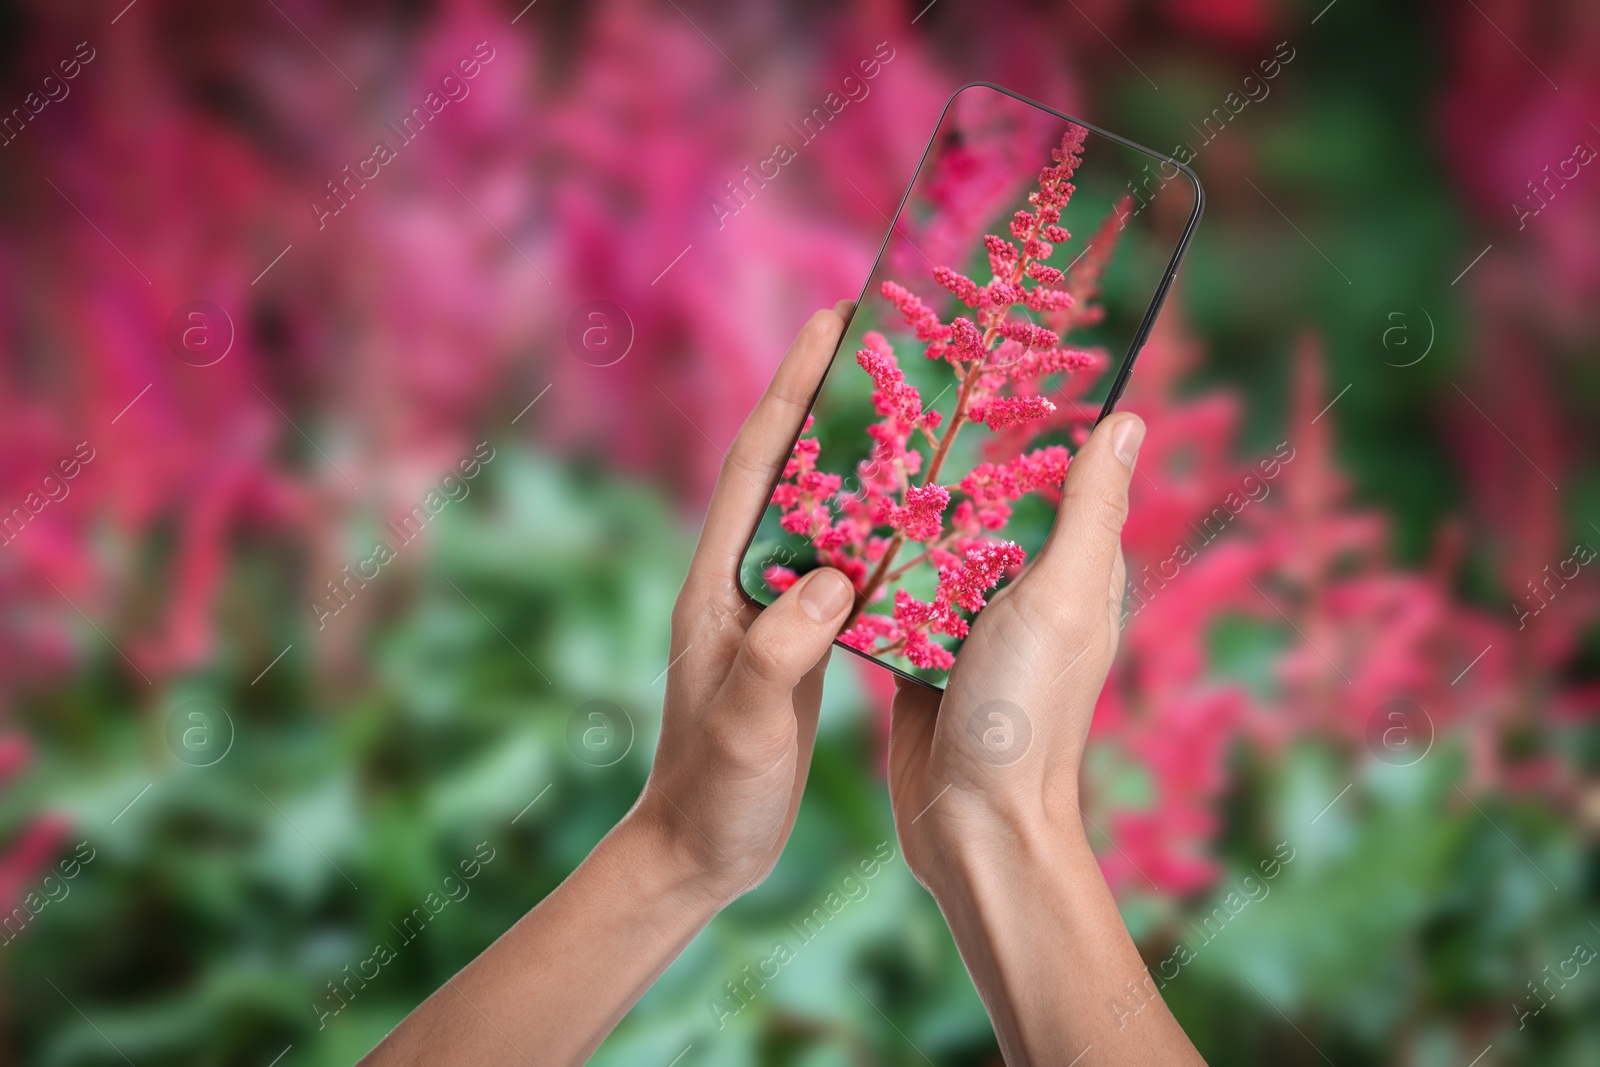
[[1124, 369]]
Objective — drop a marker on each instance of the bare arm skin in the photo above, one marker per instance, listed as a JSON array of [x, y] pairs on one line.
[[984, 783], [736, 738]]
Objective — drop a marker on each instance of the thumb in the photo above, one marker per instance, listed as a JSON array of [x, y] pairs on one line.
[[789, 638], [1083, 545]]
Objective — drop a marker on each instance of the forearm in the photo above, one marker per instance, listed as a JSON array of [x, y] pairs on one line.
[[1047, 949], [552, 987]]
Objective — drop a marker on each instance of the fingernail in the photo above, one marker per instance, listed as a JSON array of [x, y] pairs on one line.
[[825, 595], [1127, 438]]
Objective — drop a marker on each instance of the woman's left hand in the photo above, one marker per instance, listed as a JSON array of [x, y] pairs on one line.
[[744, 685], [743, 689]]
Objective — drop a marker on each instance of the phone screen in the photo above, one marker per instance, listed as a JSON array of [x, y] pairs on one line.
[[1019, 278]]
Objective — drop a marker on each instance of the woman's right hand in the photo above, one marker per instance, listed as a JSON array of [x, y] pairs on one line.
[[984, 785], [997, 756]]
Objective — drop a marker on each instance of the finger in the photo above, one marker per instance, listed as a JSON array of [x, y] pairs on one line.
[[761, 449], [787, 640], [912, 717], [1117, 591], [807, 708], [1094, 503]]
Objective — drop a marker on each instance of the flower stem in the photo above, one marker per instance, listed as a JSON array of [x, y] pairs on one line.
[[969, 379], [880, 573], [901, 570]]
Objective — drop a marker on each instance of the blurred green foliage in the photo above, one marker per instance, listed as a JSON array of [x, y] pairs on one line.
[[229, 896]]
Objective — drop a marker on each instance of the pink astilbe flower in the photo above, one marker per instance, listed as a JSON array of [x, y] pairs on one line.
[[1044, 299], [893, 395], [1001, 294], [1011, 411], [963, 584], [922, 516], [804, 497], [1003, 364], [919, 316], [966, 585], [1002, 255], [1029, 335], [867, 631], [924, 653], [963, 288], [991, 487], [1052, 361], [966, 340]]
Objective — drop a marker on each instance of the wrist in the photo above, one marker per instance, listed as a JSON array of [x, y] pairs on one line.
[[658, 837], [978, 842]]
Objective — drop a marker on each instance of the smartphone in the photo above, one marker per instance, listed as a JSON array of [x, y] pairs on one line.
[[1020, 277]]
